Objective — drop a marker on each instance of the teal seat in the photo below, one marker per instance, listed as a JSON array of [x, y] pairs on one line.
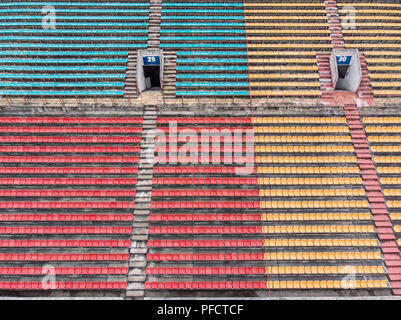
[[72, 38], [203, 45], [61, 60], [225, 31], [202, 4], [75, 18], [73, 45], [212, 93], [82, 10], [62, 76], [78, 31], [203, 17], [200, 11], [76, 24], [212, 84], [202, 24], [211, 53], [212, 76], [61, 84], [196, 38], [62, 92], [221, 60], [212, 68], [57, 68], [62, 53], [80, 4]]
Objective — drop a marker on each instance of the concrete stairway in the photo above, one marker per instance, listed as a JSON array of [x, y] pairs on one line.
[[169, 74], [131, 87], [155, 12], [139, 238]]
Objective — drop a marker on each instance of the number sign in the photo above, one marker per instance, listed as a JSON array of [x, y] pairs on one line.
[[151, 60], [343, 59]]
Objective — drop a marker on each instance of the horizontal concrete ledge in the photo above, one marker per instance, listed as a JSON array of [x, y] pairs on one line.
[[135, 293], [138, 293], [62, 298], [278, 298]]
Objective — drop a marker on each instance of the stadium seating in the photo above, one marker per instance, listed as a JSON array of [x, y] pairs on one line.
[[299, 220], [209, 38], [67, 188], [204, 224], [282, 41], [297, 209], [312, 194], [376, 34], [84, 53], [383, 133]]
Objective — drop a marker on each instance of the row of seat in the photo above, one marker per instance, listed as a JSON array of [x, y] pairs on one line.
[[300, 129], [242, 243], [305, 159], [68, 170], [262, 270], [55, 230], [70, 120], [257, 285], [303, 229], [65, 217], [204, 120], [69, 159], [72, 139], [68, 181], [204, 181], [71, 149], [204, 129], [192, 170], [64, 243], [297, 216], [382, 129], [263, 256], [66, 130], [203, 193], [318, 192], [314, 204], [62, 257], [304, 149], [307, 170], [63, 285], [67, 205], [63, 270], [66, 193]]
